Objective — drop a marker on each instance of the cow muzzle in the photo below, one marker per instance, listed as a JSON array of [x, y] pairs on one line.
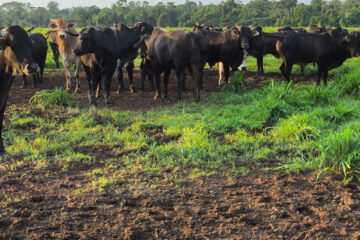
[[62, 36], [30, 69], [245, 45]]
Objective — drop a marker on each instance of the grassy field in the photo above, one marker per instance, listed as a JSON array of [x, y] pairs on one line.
[[277, 127]]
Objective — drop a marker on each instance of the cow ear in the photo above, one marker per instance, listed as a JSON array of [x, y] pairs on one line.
[[235, 33], [52, 25], [3, 43], [255, 33], [71, 25]]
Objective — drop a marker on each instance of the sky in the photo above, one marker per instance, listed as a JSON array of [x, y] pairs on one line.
[[108, 3]]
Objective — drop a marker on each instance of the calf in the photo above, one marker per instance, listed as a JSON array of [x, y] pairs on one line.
[[38, 51], [15, 57], [66, 39], [329, 50], [179, 50]]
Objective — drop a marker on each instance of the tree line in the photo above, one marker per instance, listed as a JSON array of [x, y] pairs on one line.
[[256, 12]]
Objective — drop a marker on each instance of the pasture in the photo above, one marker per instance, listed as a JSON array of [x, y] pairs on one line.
[[256, 158]]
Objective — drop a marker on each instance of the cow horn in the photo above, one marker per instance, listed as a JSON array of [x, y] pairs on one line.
[[30, 29]]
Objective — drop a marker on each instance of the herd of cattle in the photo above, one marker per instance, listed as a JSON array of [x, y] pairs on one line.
[[101, 51]]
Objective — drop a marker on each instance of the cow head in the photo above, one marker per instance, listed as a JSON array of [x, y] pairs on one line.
[[351, 44], [356, 35], [16, 45], [86, 42], [145, 28], [244, 35], [63, 28], [342, 39]]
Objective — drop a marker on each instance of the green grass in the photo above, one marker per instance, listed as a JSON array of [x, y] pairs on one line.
[[279, 127]]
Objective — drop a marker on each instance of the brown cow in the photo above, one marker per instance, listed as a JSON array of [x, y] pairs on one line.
[[67, 40]]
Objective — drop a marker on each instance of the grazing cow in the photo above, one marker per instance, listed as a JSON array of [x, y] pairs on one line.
[[329, 50], [15, 57], [66, 39], [52, 36], [179, 50], [228, 47], [38, 51], [109, 45]]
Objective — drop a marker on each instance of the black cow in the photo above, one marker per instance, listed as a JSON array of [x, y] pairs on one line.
[[228, 46], [315, 29], [287, 29], [329, 50], [54, 48], [15, 58], [178, 49], [108, 45], [38, 51]]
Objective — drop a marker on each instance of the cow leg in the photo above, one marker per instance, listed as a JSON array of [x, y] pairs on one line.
[[55, 51], [180, 78], [196, 73], [157, 72], [2, 149], [226, 73], [77, 76], [68, 78], [166, 80], [35, 79], [130, 70], [107, 76], [41, 74], [302, 70], [260, 65], [88, 78], [120, 78], [325, 76], [221, 74], [319, 74], [287, 71], [4, 93], [25, 81], [142, 73]]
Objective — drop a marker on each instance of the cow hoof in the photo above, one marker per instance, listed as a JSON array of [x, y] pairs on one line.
[[77, 91], [132, 88], [120, 90], [67, 90]]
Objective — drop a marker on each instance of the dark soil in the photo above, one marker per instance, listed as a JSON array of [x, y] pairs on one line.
[[257, 205]]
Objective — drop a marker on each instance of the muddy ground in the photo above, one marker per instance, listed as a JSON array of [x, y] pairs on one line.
[[258, 205]]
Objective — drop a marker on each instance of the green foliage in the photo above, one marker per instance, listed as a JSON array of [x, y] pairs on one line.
[[254, 12], [51, 98], [236, 84], [349, 83], [297, 127], [341, 151]]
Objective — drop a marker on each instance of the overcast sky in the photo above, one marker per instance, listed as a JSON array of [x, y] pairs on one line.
[[108, 3]]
